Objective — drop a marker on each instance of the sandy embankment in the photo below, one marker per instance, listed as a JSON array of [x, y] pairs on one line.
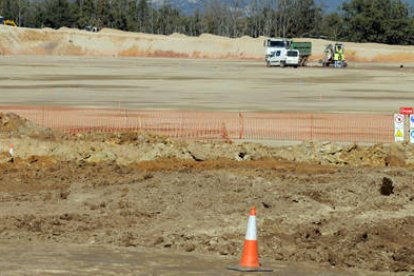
[[24, 41]]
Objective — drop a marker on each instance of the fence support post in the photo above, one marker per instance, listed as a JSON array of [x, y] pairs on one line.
[[241, 126], [311, 126]]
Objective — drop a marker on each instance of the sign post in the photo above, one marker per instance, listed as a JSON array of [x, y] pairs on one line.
[[408, 111], [399, 120], [412, 129]]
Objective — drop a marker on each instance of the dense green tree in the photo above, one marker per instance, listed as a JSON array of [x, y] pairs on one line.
[[16, 10], [196, 24], [58, 13], [332, 26], [306, 18], [384, 21], [104, 14], [86, 13], [144, 16]]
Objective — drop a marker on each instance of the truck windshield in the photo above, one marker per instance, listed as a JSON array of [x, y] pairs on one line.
[[292, 54], [275, 43]]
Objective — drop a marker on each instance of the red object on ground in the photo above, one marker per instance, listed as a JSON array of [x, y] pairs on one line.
[[406, 110]]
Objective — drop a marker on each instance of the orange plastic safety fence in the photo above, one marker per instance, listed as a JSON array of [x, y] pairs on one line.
[[216, 125]]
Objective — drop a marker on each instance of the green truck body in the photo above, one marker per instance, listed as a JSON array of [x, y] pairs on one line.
[[305, 48]]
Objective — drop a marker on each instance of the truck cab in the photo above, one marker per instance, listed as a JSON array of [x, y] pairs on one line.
[[276, 44]]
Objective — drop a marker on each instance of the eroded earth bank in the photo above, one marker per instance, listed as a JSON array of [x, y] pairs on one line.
[[343, 206]]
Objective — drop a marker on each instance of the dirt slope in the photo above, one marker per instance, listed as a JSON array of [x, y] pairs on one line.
[[12, 125], [338, 215], [24, 41], [343, 206]]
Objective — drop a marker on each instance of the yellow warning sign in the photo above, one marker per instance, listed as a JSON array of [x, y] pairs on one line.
[[399, 134]]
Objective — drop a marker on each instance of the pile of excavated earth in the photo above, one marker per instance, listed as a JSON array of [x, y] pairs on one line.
[[347, 206], [109, 42]]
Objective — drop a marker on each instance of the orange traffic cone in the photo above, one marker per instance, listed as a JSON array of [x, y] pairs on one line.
[[250, 257], [11, 150]]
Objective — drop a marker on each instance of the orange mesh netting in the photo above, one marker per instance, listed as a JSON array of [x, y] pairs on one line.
[[374, 128]]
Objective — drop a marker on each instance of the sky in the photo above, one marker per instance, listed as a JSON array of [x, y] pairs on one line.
[[332, 5], [190, 5]]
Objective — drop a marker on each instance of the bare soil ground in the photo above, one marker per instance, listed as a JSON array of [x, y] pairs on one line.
[[185, 84], [129, 203], [345, 207], [73, 259]]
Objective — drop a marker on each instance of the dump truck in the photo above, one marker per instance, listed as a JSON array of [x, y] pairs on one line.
[[7, 22], [273, 45]]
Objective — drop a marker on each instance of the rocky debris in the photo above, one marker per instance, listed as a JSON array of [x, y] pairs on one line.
[[13, 125], [128, 148], [101, 157], [380, 155], [133, 147], [323, 217]]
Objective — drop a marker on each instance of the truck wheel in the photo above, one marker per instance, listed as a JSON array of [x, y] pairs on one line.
[[282, 64]]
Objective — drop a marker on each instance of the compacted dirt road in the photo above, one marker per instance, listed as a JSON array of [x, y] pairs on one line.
[[193, 84]]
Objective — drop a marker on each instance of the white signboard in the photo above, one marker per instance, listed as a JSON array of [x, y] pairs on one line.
[[399, 127], [412, 136], [399, 119], [411, 121], [412, 129]]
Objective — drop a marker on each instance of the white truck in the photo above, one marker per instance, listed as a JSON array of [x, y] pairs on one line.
[[283, 58], [282, 51]]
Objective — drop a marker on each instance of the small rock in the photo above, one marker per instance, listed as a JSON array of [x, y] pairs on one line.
[[387, 187], [101, 157], [189, 247], [159, 240], [394, 161]]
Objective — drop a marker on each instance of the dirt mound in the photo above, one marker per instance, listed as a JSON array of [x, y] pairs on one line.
[[13, 125], [108, 42], [348, 206], [132, 147], [380, 155], [307, 213]]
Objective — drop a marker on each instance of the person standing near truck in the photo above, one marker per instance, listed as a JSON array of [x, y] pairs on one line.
[[336, 59], [339, 56]]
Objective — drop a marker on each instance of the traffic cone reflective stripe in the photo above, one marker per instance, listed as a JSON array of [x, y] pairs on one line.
[[11, 150], [250, 257]]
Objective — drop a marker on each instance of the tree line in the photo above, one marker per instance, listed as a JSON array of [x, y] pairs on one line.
[[384, 21]]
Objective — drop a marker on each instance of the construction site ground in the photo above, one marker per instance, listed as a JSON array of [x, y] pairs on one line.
[[194, 84], [135, 203]]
